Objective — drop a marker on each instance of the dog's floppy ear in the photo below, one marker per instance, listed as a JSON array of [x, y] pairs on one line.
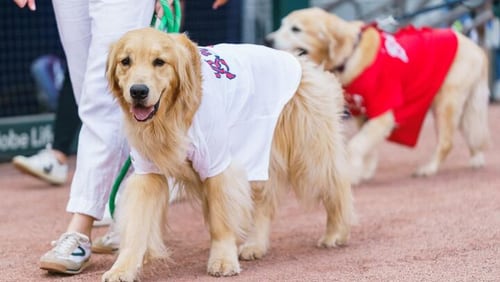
[[189, 72], [111, 70], [342, 37]]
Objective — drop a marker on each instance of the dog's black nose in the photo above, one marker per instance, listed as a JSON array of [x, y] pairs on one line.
[[269, 42], [139, 91]]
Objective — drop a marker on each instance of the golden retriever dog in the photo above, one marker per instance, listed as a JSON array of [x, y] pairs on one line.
[[201, 116], [392, 80]]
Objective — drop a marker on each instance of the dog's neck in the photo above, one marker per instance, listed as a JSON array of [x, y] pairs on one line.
[[362, 55], [160, 143], [340, 68]]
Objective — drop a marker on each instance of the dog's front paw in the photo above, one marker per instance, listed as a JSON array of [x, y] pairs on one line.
[[115, 275], [333, 241], [252, 251], [477, 161], [223, 267], [426, 170]]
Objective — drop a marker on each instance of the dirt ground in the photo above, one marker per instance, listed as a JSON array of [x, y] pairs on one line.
[[443, 228]]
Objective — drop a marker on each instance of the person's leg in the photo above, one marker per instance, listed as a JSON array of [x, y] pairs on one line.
[[50, 164], [66, 124], [73, 23], [71, 253], [102, 149]]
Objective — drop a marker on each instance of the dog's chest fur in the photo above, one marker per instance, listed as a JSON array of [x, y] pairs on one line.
[[165, 148]]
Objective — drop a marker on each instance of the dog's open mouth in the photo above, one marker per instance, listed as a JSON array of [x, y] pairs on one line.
[[142, 113]]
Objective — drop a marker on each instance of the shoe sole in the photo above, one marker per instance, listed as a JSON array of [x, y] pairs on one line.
[[103, 250], [53, 267], [36, 174]]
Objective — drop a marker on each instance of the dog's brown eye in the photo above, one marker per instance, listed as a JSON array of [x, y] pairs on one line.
[[158, 62], [126, 61], [295, 29]]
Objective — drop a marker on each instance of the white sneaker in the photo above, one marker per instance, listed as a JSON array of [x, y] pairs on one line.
[[107, 244], [70, 255], [43, 165]]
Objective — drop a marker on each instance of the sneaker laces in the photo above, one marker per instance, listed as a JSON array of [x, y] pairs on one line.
[[66, 244]]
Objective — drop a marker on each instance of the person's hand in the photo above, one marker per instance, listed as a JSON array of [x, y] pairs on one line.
[[218, 3], [22, 4], [159, 8]]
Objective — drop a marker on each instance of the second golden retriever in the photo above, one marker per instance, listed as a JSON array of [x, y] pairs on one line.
[[392, 80], [202, 116]]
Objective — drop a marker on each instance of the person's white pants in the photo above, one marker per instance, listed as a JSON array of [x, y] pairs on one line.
[[87, 29]]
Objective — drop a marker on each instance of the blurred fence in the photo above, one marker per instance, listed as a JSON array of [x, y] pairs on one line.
[[25, 122], [23, 37]]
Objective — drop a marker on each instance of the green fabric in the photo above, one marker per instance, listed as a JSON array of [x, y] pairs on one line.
[[116, 186], [170, 22], [281, 8], [496, 8]]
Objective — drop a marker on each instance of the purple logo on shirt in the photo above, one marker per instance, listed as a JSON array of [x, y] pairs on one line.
[[218, 65]]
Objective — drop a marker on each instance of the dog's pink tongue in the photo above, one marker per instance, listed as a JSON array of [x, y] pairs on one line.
[[142, 113]]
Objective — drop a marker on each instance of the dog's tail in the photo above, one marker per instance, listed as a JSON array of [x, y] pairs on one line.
[[474, 122], [312, 120]]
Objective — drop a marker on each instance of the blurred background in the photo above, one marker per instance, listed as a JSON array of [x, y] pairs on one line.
[[32, 67]]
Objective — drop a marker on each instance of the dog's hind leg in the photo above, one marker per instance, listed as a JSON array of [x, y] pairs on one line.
[[447, 112], [227, 209], [330, 179], [318, 169], [265, 198], [339, 216], [474, 122], [322, 174], [141, 222], [461, 101], [326, 177]]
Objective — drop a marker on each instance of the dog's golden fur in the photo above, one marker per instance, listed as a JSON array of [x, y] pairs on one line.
[[308, 154], [462, 101]]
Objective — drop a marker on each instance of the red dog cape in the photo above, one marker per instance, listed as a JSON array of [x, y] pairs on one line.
[[405, 76]]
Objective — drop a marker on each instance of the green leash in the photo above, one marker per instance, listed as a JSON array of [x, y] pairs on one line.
[[116, 185], [170, 22]]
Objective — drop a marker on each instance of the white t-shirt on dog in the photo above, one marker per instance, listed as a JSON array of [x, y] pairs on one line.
[[245, 88]]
